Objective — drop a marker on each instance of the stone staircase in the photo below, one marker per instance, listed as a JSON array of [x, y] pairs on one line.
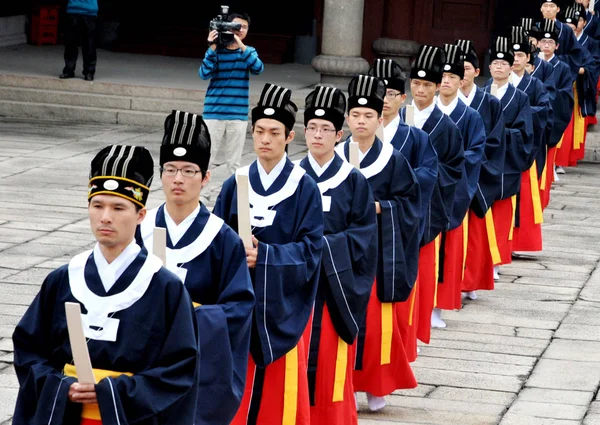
[[75, 100]]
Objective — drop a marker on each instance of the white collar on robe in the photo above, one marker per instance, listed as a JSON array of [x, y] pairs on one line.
[[361, 155], [447, 109], [468, 99], [549, 60], [316, 167], [515, 79], [389, 131], [267, 179], [176, 231], [502, 90], [422, 116], [109, 273]]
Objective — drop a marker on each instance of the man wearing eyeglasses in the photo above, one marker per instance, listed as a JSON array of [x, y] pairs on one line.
[[227, 98], [347, 266], [210, 259]]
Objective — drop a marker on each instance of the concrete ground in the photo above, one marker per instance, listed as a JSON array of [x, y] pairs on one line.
[[527, 353]]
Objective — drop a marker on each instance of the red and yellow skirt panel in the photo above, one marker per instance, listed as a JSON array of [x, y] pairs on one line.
[[90, 413], [407, 313], [579, 134], [276, 394], [385, 366], [482, 253], [334, 402], [428, 279], [547, 178], [503, 213], [454, 251], [528, 235]]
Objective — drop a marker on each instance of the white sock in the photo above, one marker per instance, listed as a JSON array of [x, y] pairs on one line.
[[556, 176], [375, 403], [496, 273], [472, 295], [356, 400], [436, 319]]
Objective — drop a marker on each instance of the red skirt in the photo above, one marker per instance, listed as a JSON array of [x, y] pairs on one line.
[[528, 236], [564, 147], [482, 249], [504, 220], [454, 250], [385, 367], [428, 279], [547, 178], [334, 391], [579, 134], [408, 319], [278, 393]]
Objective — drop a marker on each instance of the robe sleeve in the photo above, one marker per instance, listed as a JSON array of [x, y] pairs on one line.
[[542, 115], [562, 105], [492, 163], [43, 389], [349, 262], [571, 52], [426, 172], [224, 338], [398, 233], [166, 391], [519, 139], [286, 279]]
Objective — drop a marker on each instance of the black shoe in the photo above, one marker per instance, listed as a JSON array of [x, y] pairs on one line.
[[65, 75], [88, 77]]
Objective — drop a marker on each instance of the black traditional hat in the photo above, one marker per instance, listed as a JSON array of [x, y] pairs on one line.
[[326, 103], [124, 171], [276, 103], [468, 48], [390, 72], [366, 91], [429, 64], [530, 28], [559, 3], [455, 62], [519, 40], [572, 14], [547, 29], [502, 50], [186, 138]]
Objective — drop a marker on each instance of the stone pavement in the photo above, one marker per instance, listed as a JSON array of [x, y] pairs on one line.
[[527, 353]]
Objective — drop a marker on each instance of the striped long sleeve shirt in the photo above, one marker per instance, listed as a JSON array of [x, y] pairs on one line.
[[229, 72]]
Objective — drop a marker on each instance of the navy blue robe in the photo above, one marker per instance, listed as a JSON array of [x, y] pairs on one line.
[[417, 148], [348, 266], [396, 188], [563, 100], [156, 340], [287, 220], [519, 139], [591, 27], [492, 162], [447, 141], [569, 49], [587, 83], [542, 70], [210, 259], [472, 129]]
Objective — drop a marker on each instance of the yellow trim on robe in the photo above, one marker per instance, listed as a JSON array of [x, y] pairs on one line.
[[513, 200], [196, 304], [437, 242], [290, 389], [544, 176], [578, 122], [341, 364], [465, 241], [387, 326], [538, 215], [413, 298], [91, 411], [491, 233]]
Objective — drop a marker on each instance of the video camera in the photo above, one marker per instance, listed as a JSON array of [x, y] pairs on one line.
[[224, 28]]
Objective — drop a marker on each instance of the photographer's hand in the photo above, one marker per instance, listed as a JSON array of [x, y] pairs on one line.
[[239, 42], [212, 36]]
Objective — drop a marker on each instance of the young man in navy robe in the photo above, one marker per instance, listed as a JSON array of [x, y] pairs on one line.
[[519, 145], [527, 234], [481, 249], [569, 49], [585, 90], [348, 263], [137, 318], [381, 364], [286, 218], [415, 145], [210, 259], [454, 240], [425, 79], [542, 70], [591, 26]]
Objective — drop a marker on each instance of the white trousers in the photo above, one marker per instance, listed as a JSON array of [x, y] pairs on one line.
[[227, 142]]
